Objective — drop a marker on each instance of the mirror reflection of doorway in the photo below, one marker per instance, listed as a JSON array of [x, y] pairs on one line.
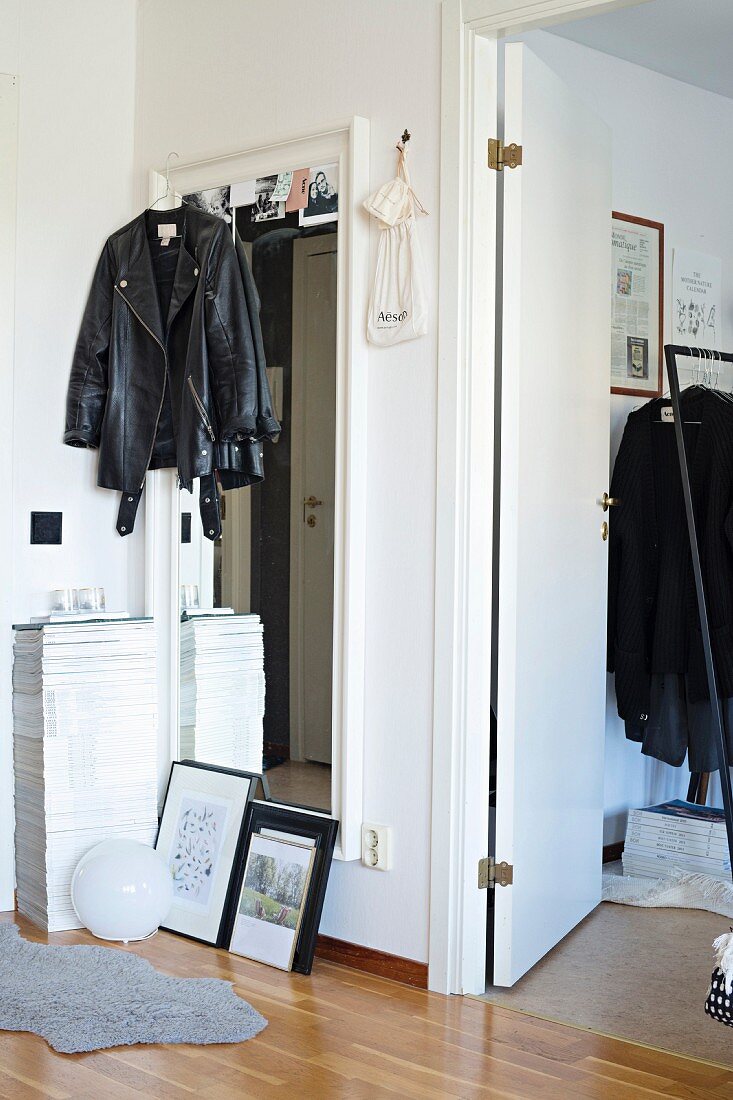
[[275, 557], [313, 402]]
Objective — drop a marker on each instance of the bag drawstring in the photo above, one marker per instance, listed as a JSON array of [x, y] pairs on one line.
[[404, 172]]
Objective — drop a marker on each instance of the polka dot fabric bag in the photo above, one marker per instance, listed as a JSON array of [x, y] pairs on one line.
[[719, 1003]]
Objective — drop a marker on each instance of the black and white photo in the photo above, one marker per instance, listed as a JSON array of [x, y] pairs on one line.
[[215, 200], [264, 209], [323, 197]]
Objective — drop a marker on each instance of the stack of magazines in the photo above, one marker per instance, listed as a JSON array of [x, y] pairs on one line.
[[676, 836], [85, 753], [223, 690]]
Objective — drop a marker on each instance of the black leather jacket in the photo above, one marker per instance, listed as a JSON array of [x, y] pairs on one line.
[[169, 368]]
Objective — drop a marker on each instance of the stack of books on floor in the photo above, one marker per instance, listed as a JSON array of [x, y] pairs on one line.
[[676, 836], [85, 753], [223, 690]]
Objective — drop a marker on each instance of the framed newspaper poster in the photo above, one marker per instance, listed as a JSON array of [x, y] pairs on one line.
[[637, 300]]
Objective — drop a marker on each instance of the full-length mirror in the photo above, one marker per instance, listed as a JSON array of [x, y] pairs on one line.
[[257, 599]]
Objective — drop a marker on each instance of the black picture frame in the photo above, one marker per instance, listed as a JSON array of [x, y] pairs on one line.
[[254, 778], [312, 825]]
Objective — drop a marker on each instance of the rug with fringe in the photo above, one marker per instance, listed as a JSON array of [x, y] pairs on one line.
[[679, 891]]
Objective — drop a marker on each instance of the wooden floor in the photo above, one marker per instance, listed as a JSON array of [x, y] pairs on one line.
[[301, 782], [339, 1033]]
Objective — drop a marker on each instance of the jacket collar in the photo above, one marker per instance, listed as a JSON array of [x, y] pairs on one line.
[[137, 282]]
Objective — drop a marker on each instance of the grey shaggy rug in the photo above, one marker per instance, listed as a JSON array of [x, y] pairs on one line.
[[89, 998]]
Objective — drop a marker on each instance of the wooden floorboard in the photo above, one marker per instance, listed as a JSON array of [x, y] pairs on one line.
[[342, 1033]]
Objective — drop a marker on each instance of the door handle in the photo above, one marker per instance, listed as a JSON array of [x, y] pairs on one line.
[[607, 502], [311, 502]]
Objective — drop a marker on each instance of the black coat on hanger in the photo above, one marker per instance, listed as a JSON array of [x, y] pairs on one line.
[[169, 368], [653, 621]]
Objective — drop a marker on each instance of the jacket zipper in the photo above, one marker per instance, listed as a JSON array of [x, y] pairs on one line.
[[162, 396], [202, 409]]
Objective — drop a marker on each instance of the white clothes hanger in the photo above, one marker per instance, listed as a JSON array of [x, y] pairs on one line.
[[168, 189]]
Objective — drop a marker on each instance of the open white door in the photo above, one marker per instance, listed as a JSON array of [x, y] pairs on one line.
[[552, 560]]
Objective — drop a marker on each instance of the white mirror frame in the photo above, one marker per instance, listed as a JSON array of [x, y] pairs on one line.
[[348, 144]]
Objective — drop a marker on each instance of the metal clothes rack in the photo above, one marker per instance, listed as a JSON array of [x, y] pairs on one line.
[[671, 351]]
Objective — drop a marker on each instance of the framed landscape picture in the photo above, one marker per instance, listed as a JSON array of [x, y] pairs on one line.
[[269, 909], [637, 305], [309, 829], [199, 837]]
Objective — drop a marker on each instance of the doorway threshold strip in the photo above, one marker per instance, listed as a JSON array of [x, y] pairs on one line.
[[487, 999], [654, 968]]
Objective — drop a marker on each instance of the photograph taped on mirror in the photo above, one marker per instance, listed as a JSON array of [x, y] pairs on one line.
[[323, 198], [266, 209], [214, 200]]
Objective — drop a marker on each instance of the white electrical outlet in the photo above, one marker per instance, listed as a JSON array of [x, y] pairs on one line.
[[376, 846]]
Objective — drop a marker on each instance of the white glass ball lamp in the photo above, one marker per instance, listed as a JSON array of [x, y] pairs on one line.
[[122, 890]]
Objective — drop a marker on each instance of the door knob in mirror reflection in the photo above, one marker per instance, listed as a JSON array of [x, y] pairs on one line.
[[607, 502], [311, 502]]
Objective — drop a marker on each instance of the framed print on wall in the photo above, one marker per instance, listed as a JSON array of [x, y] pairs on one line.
[[199, 838], [637, 310]]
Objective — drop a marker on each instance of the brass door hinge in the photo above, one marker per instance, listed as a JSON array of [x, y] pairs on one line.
[[503, 156], [491, 873]]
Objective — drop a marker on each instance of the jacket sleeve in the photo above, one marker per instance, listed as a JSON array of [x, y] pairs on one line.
[[87, 393], [235, 350], [267, 424]]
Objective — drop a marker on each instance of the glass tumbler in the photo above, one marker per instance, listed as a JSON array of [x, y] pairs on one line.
[[91, 599], [189, 596], [64, 599]]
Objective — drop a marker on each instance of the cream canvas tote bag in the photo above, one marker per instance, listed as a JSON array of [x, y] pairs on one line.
[[398, 308]]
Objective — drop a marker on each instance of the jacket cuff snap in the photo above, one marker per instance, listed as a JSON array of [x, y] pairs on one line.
[[237, 429]]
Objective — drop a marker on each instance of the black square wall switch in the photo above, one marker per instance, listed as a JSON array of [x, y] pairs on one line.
[[46, 528]]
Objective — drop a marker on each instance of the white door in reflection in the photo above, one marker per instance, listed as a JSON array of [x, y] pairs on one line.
[[312, 496]]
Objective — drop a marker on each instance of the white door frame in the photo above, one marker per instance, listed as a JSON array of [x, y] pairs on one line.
[[347, 142], [465, 468], [8, 189]]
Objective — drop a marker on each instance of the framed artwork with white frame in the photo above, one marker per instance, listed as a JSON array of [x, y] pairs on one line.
[[199, 837]]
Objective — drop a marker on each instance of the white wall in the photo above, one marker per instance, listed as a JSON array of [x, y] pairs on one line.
[[652, 118], [208, 86], [9, 35], [76, 66], [8, 179], [75, 186]]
